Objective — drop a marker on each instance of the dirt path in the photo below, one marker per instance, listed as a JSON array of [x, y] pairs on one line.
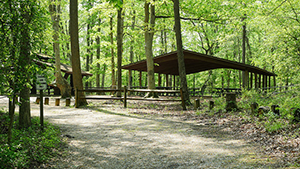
[[115, 138]]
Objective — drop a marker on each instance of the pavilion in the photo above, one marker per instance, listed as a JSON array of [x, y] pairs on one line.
[[48, 61], [196, 62]]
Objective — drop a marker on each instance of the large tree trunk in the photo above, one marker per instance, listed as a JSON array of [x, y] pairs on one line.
[[181, 64], [113, 78], [149, 33], [77, 77], [62, 84], [24, 63], [120, 48]]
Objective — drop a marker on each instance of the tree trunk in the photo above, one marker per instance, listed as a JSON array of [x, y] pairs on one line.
[[88, 51], [62, 84], [24, 63], [77, 77], [11, 105], [149, 33], [181, 64], [120, 48], [103, 76], [113, 78], [131, 51], [98, 57], [244, 53]]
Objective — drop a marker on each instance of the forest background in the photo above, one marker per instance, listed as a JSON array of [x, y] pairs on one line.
[[269, 29]]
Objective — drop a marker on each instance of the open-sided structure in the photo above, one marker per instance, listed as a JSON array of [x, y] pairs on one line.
[[197, 62], [48, 61]]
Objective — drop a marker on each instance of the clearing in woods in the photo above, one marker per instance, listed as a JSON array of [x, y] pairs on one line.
[[108, 136]]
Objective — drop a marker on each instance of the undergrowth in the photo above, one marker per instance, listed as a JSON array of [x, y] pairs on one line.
[[29, 147]]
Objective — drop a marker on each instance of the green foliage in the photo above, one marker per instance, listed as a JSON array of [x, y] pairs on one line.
[[30, 147], [288, 101]]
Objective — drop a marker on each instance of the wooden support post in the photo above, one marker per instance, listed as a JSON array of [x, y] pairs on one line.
[[41, 110], [68, 101], [129, 79], [174, 82], [159, 80], [255, 81], [259, 81], [251, 80], [46, 101], [125, 96], [57, 100], [246, 79], [140, 79], [182, 99], [197, 104], [265, 81], [167, 80]]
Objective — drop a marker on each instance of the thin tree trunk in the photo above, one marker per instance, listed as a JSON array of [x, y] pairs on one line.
[[77, 77], [98, 57], [11, 117], [244, 53], [113, 78], [103, 76], [181, 64], [149, 33], [120, 48], [88, 51], [61, 83], [131, 51]]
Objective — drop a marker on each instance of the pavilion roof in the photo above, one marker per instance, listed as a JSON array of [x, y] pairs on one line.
[[194, 62], [50, 62]]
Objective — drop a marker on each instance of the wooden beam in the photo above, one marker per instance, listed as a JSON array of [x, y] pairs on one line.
[[255, 81], [159, 80], [140, 78]]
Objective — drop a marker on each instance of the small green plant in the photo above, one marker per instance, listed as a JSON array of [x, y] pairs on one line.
[[30, 147]]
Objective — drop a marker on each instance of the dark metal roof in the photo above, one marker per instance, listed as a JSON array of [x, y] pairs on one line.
[[194, 62], [50, 61]]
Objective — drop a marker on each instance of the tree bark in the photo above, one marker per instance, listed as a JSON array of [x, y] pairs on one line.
[[98, 57], [24, 63], [181, 64], [120, 48], [149, 33], [88, 51], [113, 78], [77, 77], [244, 53], [62, 84]]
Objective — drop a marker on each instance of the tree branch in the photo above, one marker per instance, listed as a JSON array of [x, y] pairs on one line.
[[191, 19]]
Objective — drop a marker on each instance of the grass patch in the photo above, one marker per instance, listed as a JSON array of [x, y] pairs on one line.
[[30, 148]]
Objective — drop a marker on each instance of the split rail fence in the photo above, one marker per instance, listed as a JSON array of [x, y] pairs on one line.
[[126, 96]]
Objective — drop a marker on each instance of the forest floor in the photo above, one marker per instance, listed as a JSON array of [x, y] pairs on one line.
[[161, 135]]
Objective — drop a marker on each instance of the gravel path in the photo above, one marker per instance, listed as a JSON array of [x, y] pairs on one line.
[[113, 137]]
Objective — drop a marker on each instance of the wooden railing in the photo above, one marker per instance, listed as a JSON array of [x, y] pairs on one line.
[[125, 97]]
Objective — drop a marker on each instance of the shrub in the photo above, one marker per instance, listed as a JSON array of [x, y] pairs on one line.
[[30, 147]]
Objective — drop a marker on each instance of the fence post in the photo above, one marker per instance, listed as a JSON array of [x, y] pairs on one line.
[[125, 96], [182, 99]]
